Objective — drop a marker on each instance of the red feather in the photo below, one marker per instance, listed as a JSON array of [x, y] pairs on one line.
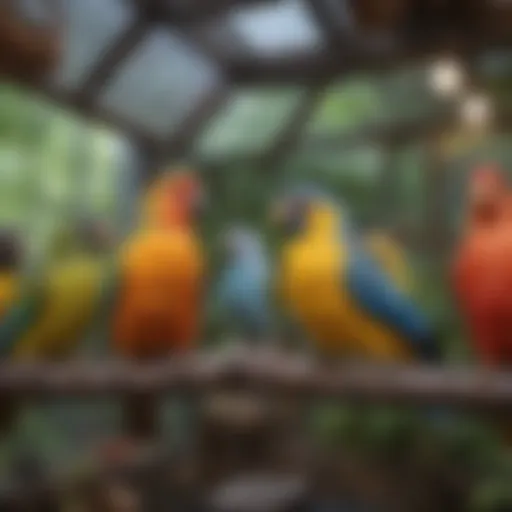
[[483, 268]]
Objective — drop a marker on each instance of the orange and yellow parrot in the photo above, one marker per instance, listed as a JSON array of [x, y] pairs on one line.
[[482, 271], [157, 306], [339, 291]]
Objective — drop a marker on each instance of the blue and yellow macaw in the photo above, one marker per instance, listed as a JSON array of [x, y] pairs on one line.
[[338, 290], [243, 287]]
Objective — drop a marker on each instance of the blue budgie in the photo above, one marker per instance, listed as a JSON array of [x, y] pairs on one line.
[[243, 289]]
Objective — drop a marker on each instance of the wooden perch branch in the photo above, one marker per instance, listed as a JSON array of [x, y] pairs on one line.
[[275, 373]]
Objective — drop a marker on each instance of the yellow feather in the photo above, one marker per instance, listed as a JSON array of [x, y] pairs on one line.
[[9, 289], [312, 285], [391, 258], [71, 294]]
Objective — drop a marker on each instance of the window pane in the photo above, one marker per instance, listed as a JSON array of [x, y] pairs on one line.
[[346, 106], [249, 122], [161, 82], [38, 12], [283, 27], [54, 166], [90, 27], [367, 100]]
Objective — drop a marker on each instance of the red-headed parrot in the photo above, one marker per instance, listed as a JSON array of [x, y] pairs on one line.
[[482, 272]]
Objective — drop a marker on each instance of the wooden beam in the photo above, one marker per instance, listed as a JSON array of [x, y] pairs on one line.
[[292, 132], [316, 66], [334, 33], [278, 373], [307, 69], [157, 12], [185, 135], [199, 11], [114, 57]]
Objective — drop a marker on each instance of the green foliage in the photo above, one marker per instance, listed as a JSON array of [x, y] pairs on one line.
[[52, 167], [494, 494]]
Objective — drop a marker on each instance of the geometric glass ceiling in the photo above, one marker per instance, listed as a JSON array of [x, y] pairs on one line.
[[230, 76]]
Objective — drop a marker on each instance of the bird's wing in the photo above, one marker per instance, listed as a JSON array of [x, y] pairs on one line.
[[391, 259], [18, 319], [376, 295]]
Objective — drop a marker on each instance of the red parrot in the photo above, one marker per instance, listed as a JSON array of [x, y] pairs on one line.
[[483, 267], [158, 302]]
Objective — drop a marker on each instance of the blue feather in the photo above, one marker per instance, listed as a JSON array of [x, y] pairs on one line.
[[377, 295], [243, 286]]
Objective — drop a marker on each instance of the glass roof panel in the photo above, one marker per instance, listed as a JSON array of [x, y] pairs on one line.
[[366, 100], [277, 29], [37, 11], [249, 122], [90, 27], [160, 83]]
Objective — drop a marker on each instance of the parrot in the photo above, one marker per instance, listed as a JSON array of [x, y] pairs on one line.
[[50, 317], [158, 301], [482, 272], [11, 255], [243, 287], [53, 310], [334, 286], [482, 269], [391, 258]]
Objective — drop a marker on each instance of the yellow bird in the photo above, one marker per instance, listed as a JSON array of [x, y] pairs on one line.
[[339, 293], [55, 311]]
